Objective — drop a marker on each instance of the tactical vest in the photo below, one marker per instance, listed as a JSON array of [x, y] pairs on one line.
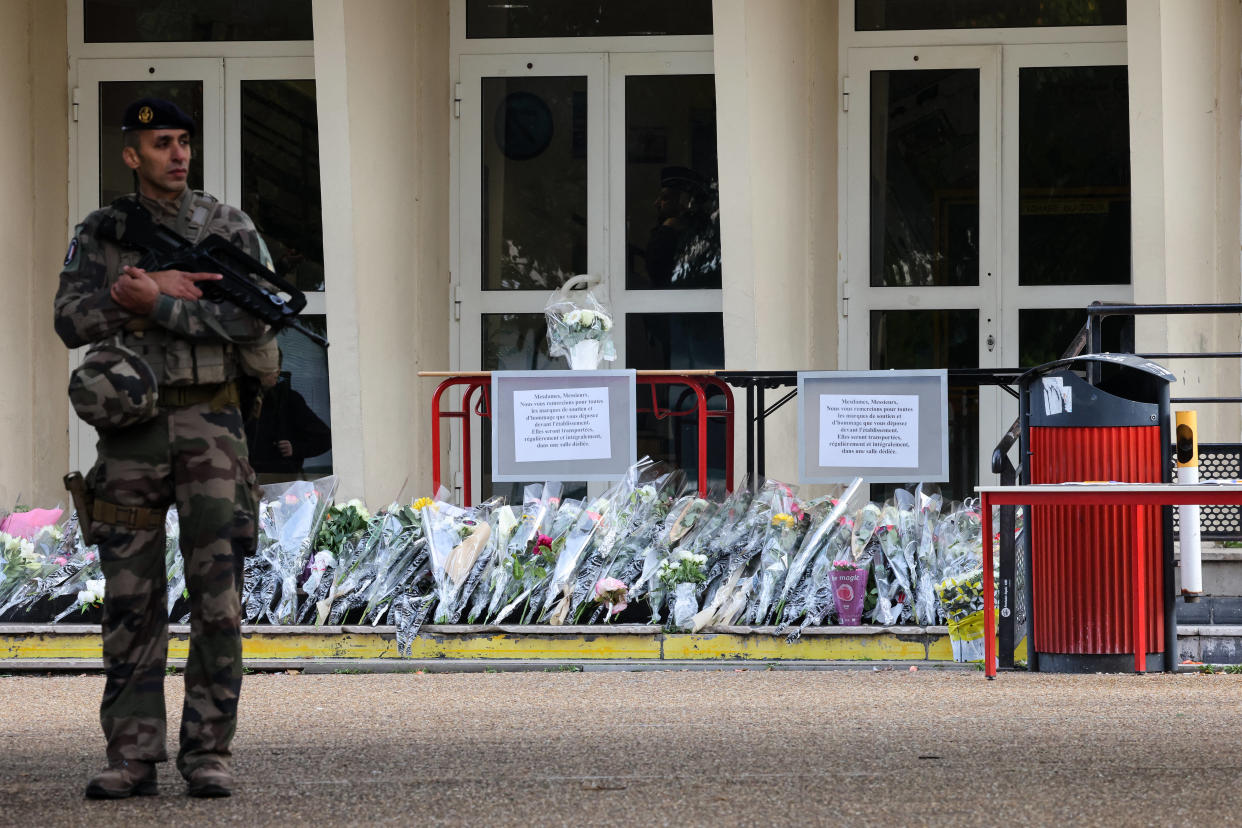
[[173, 359]]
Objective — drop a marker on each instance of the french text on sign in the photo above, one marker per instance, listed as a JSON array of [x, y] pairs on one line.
[[858, 430], [561, 424]]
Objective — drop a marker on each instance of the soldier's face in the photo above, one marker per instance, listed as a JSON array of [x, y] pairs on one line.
[[161, 160]]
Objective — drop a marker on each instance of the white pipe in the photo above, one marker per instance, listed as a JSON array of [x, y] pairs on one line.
[[1191, 557]]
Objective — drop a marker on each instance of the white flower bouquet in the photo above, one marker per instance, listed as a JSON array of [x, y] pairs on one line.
[[680, 573], [579, 327]]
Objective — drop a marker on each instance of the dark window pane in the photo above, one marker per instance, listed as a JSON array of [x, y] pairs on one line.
[[1074, 175], [154, 21], [889, 15], [937, 339], [534, 148], [575, 18], [297, 409], [514, 342], [280, 175], [517, 342], [672, 200], [116, 179], [663, 341], [1044, 334], [925, 178]]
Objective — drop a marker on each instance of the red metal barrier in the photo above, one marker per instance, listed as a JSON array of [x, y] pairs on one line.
[[1083, 561], [699, 382]]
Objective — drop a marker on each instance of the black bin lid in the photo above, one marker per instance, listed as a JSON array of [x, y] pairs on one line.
[[1130, 361]]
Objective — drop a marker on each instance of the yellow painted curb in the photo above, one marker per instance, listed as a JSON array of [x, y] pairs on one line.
[[767, 647], [522, 643]]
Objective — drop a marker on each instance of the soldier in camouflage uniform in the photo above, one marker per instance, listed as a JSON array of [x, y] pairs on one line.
[[191, 452]]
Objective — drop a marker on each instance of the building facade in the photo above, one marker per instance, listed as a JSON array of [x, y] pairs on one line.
[[786, 184]]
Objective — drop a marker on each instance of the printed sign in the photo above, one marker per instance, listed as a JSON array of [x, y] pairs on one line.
[[885, 426], [562, 425], [864, 429]]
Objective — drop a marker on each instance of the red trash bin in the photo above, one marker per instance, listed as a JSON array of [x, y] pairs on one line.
[[1081, 559]]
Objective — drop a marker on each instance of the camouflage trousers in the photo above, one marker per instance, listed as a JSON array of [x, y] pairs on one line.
[[196, 458]]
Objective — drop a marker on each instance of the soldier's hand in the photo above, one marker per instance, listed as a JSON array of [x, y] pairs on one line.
[[135, 291], [285, 448], [178, 283]]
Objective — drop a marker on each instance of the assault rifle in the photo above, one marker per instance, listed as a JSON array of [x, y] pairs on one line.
[[245, 281]]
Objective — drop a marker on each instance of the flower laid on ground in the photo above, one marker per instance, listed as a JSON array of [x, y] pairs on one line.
[[680, 573], [683, 567], [422, 503], [340, 523], [783, 520], [611, 593], [93, 595], [25, 523]]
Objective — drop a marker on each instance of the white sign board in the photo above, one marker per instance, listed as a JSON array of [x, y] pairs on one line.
[[562, 425], [886, 426]]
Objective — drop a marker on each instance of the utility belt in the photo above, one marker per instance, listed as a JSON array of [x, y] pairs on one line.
[[218, 394], [90, 509], [131, 517]]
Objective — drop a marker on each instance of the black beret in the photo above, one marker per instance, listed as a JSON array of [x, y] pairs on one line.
[[153, 113]]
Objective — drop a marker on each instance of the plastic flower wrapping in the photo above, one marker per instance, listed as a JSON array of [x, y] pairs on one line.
[[648, 550], [579, 327]]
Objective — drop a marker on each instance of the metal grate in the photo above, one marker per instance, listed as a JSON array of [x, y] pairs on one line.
[[1217, 461]]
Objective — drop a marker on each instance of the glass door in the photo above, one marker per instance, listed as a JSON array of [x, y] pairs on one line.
[[988, 203], [602, 164], [921, 285], [272, 172], [1066, 178], [257, 148]]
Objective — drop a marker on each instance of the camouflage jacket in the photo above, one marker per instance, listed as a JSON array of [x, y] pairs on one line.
[[185, 342]]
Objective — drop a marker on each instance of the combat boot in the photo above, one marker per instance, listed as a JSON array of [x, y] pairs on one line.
[[209, 781], [123, 778]]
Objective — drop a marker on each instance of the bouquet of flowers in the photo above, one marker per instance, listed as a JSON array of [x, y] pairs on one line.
[[539, 507], [401, 559], [579, 327], [289, 517], [611, 593], [961, 596], [577, 540], [632, 529], [685, 518], [929, 505], [341, 529], [679, 574], [456, 539], [960, 588], [784, 531], [807, 594], [477, 589], [733, 555]]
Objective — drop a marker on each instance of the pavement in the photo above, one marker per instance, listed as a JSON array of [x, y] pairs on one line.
[[866, 746]]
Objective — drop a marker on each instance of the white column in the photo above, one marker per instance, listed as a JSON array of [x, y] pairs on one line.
[[1184, 65], [34, 410], [776, 99], [383, 99]]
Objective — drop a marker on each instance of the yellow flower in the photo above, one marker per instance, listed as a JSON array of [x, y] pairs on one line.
[[783, 519], [422, 503]]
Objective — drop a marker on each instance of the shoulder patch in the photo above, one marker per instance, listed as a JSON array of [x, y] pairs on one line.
[[72, 253]]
